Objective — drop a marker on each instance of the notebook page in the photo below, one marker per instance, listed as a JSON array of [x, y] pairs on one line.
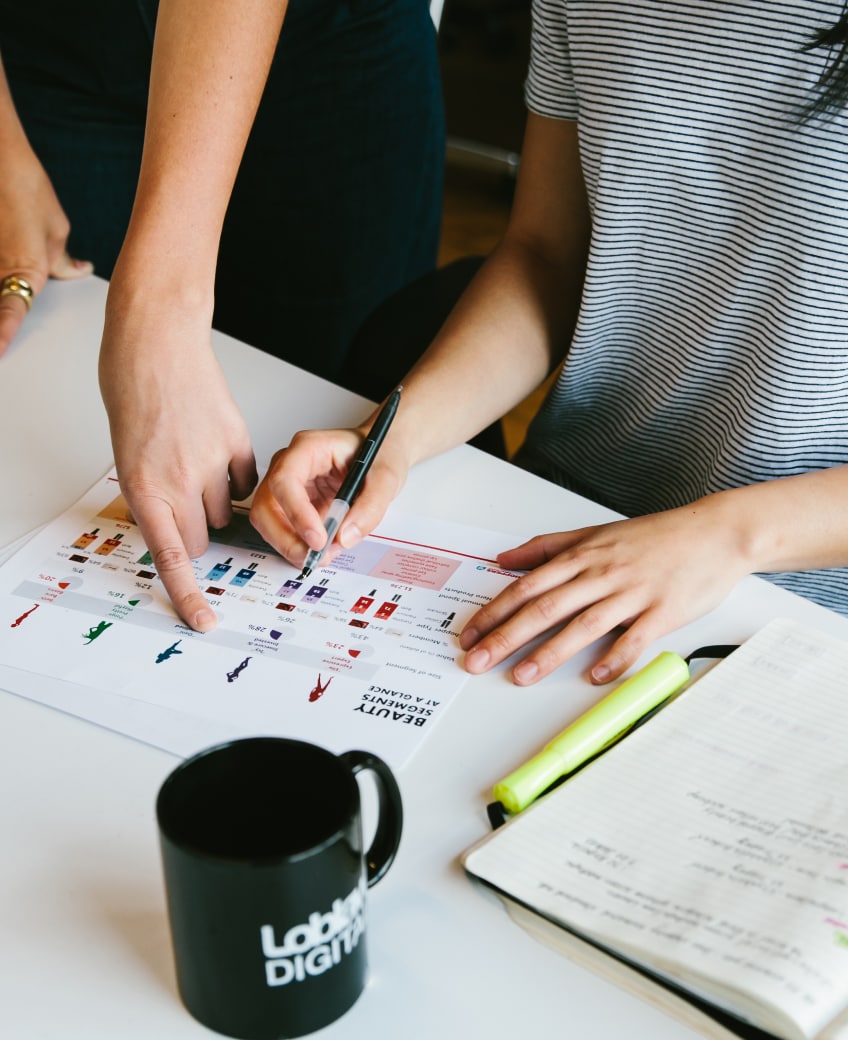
[[712, 841]]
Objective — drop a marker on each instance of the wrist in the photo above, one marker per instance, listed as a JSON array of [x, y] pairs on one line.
[[159, 294], [775, 525]]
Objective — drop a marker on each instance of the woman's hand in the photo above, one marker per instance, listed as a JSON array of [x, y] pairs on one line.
[[301, 482], [647, 576], [182, 448], [33, 237]]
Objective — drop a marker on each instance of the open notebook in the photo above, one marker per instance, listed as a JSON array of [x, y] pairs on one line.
[[708, 850]]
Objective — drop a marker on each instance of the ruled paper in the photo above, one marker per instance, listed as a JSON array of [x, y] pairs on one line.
[[713, 841]]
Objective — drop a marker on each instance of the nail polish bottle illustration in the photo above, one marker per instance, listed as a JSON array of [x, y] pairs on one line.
[[110, 545], [220, 569], [289, 587], [387, 609], [85, 539], [363, 603], [244, 575]]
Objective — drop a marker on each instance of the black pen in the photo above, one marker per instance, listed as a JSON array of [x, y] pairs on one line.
[[353, 481]]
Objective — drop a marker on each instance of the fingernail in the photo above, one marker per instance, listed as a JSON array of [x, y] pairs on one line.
[[204, 620], [476, 660], [83, 265], [468, 637], [349, 535], [525, 672], [600, 673]]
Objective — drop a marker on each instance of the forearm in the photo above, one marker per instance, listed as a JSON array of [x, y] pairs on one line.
[[795, 523], [493, 351], [15, 148], [210, 63], [514, 323]]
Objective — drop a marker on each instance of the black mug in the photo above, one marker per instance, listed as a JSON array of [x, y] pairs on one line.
[[265, 878]]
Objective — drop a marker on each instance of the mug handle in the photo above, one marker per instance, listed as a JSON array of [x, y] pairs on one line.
[[383, 848]]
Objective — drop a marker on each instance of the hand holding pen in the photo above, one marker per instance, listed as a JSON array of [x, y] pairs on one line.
[[320, 465], [353, 481]]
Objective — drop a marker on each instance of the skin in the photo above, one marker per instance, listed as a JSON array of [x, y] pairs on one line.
[[181, 446], [34, 229], [631, 581]]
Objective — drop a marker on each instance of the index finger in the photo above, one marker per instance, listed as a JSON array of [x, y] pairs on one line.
[[302, 481], [380, 488], [173, 564]]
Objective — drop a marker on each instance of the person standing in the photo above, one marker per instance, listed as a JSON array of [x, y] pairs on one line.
[[278, 184]]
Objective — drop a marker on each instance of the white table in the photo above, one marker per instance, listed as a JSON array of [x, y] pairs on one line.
[[84, 946]]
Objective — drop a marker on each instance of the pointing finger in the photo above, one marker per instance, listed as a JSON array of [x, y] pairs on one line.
[[173, 564]]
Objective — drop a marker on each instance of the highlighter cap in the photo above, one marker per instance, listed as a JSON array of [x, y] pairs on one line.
[[599, 727], [521, 787]]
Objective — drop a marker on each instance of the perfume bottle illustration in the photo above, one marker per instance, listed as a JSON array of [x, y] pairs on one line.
[[85, 539]]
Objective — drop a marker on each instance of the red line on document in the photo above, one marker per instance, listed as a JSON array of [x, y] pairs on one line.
[[436, 548]]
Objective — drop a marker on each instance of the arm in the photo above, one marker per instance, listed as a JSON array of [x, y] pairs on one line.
[[510, 329], [181, 446], [651, 574], [647, 575], [34, 229]]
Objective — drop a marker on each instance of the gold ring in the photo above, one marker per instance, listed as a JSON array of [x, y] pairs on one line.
[[12, 285]]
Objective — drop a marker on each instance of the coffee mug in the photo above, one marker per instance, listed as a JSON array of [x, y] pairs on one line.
[[265, 878]]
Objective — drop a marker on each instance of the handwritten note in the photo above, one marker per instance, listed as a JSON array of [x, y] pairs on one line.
[[712, 843]]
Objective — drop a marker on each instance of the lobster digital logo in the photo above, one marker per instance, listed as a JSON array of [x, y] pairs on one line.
[[317, 945]]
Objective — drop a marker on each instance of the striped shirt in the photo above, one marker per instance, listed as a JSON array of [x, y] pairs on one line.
[[711, 349]]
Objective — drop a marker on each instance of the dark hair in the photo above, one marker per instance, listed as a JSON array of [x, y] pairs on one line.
[[832, 86]]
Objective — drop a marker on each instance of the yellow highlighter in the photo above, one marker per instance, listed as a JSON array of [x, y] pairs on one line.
[[599, 727]]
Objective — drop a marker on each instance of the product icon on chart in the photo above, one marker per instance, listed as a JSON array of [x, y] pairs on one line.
[[318, 690]]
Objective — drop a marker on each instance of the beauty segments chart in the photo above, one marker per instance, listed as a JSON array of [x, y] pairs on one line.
[[362, 653]]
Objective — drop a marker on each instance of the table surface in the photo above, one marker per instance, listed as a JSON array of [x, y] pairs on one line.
[[85, 952]]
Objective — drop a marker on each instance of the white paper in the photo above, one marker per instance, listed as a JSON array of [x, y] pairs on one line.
[[713, 841], [363, 653]]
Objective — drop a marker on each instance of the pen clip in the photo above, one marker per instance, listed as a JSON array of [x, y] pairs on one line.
[[716, 650], [497, 814]]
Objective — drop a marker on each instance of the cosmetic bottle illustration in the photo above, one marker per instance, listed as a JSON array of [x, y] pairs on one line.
[[85, 539], [220, 569], [387, 609], [289, 587], [244, 575], [110, 545], [363, 603]]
